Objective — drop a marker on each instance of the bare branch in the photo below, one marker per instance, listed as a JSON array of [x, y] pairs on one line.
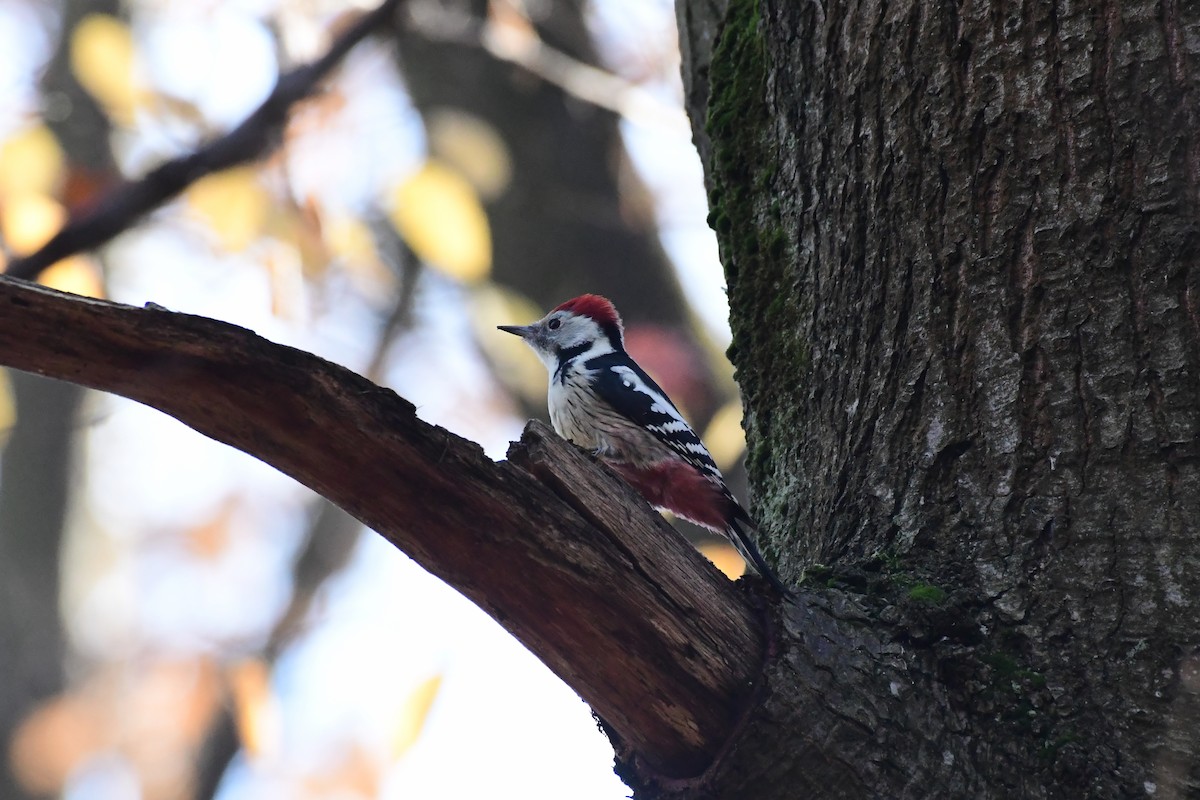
[[255, 136], [559, 551]]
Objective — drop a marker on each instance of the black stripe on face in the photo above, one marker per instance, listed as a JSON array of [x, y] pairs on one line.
[[566, 354]]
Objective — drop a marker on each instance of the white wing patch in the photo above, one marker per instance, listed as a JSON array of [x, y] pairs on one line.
[[659, 404], [673, 430]]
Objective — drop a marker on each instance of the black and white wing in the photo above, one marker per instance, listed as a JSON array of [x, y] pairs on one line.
[[622, 384], [634, 395]]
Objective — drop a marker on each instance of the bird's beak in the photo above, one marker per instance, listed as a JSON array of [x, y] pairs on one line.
[[524, 331]]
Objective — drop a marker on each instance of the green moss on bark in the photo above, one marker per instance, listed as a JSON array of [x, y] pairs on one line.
[[757, 249], [927, 593], [736, 124]]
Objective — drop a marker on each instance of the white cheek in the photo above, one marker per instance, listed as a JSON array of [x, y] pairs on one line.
[[549, 360]]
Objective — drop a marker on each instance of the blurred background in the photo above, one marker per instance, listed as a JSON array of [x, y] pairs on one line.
[[178, 620]]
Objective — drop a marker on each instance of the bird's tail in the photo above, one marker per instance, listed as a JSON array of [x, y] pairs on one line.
[[746, 548]]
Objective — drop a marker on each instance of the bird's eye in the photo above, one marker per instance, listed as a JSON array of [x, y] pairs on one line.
[[554, 324]]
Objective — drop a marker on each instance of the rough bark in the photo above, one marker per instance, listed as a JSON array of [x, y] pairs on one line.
[[961, 246], [664, 648]]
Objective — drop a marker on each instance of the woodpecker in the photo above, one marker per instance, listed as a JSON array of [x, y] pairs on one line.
[[601, 400]]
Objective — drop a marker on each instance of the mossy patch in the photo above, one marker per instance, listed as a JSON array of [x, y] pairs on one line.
[[769, 348], [738, 125], [1010, 672], [927, 593]]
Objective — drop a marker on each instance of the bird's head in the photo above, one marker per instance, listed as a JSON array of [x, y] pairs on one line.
[[587, 325]]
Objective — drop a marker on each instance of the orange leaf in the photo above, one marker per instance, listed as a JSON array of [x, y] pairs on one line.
[[74, 274], [725, 558], [53, 740], [255, 708]]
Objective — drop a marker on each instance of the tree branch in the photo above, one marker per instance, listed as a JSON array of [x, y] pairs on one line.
[[256, 135], [559, 551]]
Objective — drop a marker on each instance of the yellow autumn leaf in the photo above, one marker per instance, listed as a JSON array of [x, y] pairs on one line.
[[31, 162], [438, 213], [413, 715], [473, 147], [75, 274], [256, 710], [234, 203], [515, 362], [725, 558], [102, 60], [8, 407], [350, 240], [27, 221], [724, 436], [286, 223]]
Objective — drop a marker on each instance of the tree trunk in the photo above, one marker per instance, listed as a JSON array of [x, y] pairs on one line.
[[961, 246], [33, 503]]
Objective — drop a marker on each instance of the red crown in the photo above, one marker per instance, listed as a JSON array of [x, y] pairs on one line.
[[594, 306]]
